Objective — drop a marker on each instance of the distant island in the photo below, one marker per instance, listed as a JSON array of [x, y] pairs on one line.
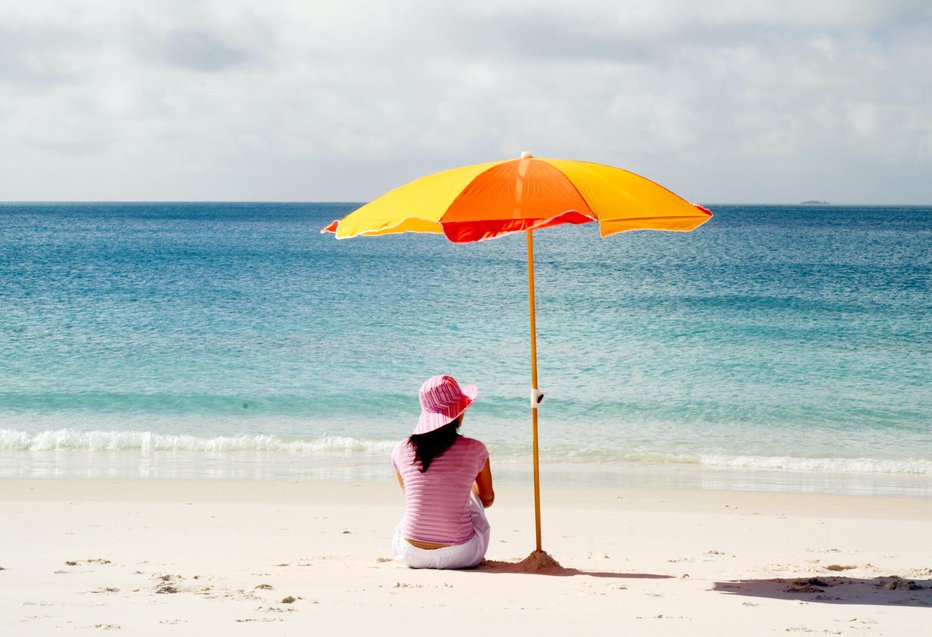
[[813, 202]]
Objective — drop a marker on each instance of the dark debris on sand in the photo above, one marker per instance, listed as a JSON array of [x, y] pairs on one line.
[[896, 583], [807, 585]]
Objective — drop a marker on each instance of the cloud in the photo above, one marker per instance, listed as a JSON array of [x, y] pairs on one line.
[[195, 50], [79, 148], [36, 57], [752, 101]]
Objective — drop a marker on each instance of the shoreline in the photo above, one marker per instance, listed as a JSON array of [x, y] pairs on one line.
[[187, 556], [348, 468], [518, 496]]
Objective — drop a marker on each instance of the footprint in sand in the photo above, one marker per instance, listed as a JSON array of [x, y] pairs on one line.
[[914, 572], [165, 584], [839, 567], [95, 560]]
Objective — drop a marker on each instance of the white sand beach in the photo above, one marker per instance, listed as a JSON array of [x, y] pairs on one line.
[[148, 557]]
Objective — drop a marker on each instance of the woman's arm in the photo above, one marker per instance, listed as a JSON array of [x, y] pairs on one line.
[[401, 481], [482, 487]]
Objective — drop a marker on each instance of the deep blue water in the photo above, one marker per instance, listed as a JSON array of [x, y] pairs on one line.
[[771, 337]]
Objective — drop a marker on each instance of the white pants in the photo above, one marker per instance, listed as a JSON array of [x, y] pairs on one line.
[[458, 556]]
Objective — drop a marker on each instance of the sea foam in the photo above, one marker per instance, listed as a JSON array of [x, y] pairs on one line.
[[819, 465], [147, 441]]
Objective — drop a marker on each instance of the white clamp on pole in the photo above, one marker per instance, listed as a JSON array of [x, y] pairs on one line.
[[537, 397]]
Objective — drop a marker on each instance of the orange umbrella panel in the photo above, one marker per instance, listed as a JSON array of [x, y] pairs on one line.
[[518, 195]]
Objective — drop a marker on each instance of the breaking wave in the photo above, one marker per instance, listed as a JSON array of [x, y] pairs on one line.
[[145, 441], [818, 465]]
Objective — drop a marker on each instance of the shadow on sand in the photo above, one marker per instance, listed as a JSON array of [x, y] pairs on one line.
[[836, 590]]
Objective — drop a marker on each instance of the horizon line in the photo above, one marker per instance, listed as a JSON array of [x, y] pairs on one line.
[[360, 202]]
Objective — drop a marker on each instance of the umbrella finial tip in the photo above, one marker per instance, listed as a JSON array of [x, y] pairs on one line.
[[526, 154]]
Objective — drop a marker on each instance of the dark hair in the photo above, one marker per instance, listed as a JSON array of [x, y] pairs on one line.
[[432, 444]]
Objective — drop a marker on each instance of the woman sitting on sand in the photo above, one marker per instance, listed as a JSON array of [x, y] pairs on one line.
[[447, 483]]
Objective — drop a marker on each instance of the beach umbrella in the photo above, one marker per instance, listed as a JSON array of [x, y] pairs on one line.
[[485, 201]]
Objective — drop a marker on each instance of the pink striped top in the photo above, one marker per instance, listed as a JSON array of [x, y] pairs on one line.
[[436, 501]]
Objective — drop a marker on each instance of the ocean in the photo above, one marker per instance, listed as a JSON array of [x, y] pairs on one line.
[[775, 347]]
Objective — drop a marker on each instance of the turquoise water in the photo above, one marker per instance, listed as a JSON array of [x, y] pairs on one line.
[[773, 346]]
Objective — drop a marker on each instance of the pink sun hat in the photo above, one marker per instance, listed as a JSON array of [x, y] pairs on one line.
[[442, 400]]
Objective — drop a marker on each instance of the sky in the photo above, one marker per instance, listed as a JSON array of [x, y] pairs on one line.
[[271, 100]]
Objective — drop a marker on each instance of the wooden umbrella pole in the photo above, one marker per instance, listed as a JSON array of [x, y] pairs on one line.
[[530, 287]]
